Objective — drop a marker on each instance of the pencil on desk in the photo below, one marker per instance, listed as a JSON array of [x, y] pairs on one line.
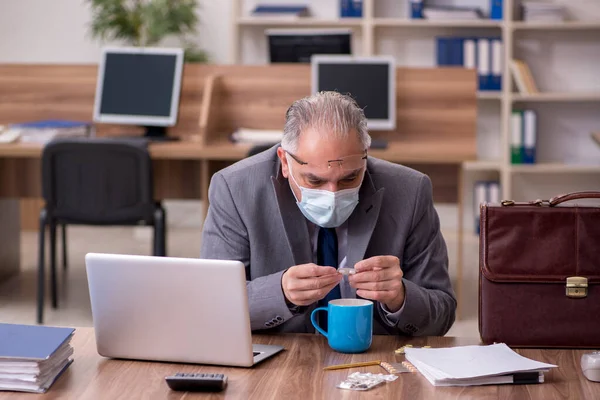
[[353, 365]]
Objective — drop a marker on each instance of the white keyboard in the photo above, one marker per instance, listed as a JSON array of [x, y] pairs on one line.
[[257, 136]]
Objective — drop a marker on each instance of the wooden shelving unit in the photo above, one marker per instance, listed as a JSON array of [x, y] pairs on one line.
[[374, 24], [557, 97]]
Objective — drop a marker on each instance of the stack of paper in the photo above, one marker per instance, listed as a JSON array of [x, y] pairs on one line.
[[33, 357], [476, 365], [543, 11]]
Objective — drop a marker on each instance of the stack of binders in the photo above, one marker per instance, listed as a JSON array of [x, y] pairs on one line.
[[482, 54], [33, 357], [484, 192], [523, 137]]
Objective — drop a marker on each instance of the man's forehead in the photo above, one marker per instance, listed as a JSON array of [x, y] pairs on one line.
[[331, 174], [317, 146]]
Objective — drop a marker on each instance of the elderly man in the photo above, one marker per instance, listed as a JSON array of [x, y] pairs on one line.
[[297, 212]]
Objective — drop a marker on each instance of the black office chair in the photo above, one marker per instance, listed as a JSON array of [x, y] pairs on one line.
[[259, 148], [95, 182]]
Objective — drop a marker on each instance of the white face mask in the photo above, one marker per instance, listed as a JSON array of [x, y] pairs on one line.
[[325, 208]]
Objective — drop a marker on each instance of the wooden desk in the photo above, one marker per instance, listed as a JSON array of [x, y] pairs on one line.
[[297, 374]]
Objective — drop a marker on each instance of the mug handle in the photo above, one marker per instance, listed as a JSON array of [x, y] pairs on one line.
[[315, 323]]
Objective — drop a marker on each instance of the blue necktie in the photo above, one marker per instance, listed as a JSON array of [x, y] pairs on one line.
[[327, 255]]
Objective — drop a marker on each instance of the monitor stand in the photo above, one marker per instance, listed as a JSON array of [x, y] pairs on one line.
[[158, 134]]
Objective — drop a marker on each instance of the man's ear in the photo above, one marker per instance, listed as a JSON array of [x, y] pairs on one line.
[[284, 162]]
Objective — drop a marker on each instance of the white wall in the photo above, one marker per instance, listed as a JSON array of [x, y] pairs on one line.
[[56, 31]]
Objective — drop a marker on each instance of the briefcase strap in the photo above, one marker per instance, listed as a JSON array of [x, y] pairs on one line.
[[573, 196], [555, 200]]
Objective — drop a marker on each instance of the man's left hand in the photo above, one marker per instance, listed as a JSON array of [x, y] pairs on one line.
[[380, 279]]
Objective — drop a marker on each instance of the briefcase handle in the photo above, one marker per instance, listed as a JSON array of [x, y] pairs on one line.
[[555, 200], [573, 196]]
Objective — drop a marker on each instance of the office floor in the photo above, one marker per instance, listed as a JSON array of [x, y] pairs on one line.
[[18, 294]]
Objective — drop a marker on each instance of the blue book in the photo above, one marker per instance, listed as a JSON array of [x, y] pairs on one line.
[[496, 10], [52, 124], [31, 342], [276, 10]]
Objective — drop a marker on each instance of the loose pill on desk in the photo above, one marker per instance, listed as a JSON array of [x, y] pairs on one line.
[[346, 271]]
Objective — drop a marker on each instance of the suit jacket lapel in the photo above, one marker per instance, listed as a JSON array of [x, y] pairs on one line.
[[361, 225], [294, 223]]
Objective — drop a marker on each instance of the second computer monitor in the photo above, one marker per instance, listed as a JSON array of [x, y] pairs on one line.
[[139, 86], [298, 45], [371, 81]]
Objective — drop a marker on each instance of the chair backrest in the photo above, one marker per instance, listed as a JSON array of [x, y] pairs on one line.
[[98, 181]]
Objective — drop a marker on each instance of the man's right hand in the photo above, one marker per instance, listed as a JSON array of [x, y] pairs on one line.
[[308, 283]]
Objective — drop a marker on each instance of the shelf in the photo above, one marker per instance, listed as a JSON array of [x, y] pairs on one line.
[[557, 97], [489, 95], [481, 165], [425, 23], [295, 22], [556, 26], [545, 168]]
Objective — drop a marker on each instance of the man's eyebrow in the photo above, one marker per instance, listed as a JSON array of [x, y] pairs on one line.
[[351, 174], [313, 177]]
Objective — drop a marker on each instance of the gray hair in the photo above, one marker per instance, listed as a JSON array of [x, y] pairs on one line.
[[328, 112]]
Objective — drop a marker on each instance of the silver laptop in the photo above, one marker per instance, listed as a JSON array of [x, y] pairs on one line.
[[172, 309]]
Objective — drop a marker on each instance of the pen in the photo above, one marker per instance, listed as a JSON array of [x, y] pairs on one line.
[[360, 364]]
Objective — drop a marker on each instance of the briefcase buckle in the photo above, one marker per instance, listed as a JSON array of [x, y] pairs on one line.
[[577, 287]]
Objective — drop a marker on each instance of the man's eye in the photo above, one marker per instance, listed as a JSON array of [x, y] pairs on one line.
[[315, 182], [350, 179]]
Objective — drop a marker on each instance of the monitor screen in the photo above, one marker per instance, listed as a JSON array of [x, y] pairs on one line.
[[298, 45], [139, 86], [371, 81]]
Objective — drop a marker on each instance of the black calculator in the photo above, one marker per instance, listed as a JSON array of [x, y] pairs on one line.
[[183, 382]]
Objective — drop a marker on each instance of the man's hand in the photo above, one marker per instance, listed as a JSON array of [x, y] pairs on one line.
[[380, 279], [307, 283]]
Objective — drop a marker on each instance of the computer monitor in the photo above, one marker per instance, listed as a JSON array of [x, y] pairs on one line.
[[139, 86], [371, 81], [298, 45]]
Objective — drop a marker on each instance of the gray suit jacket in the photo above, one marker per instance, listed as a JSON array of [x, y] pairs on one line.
[[253, 218]]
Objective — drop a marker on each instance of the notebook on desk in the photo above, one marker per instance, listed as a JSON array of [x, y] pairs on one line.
[[476, 365], [172, 309]]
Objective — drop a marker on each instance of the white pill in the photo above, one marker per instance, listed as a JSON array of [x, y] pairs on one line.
[[346, 271]]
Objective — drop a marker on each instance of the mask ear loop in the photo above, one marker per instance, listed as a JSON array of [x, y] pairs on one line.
[[293, 179]]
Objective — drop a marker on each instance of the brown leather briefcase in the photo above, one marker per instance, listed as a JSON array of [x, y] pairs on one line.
[[539, 272]]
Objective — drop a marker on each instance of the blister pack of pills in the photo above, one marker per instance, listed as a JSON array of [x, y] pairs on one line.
[[365, 380]]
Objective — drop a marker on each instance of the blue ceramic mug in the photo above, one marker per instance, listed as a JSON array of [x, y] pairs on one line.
[[350, 324]]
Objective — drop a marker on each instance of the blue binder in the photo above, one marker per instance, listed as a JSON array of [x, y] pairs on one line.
[[357, 8], [31, 342], [496, 62], [443, 51], [416, 9], [496, 10], [351, 8]]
